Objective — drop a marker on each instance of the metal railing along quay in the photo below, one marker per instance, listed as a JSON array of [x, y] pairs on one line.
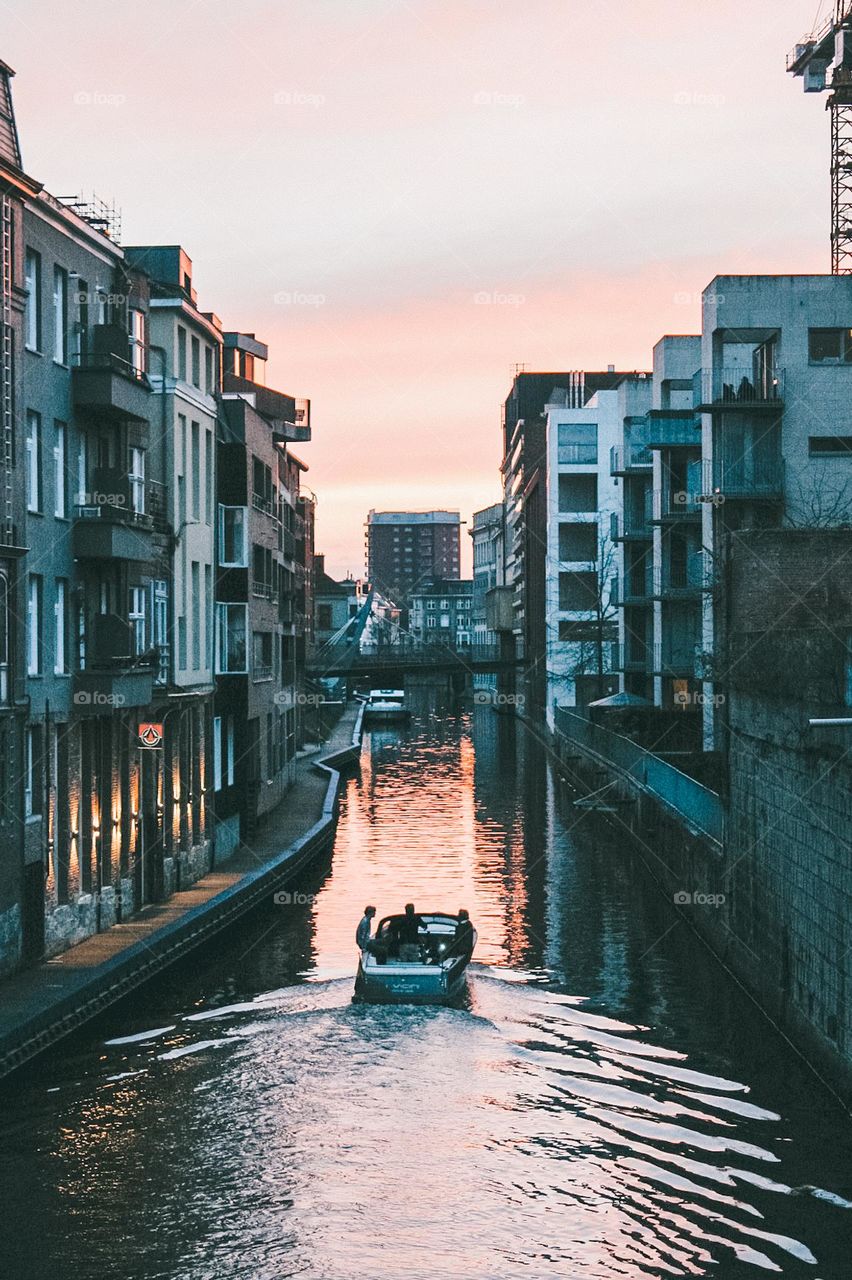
[[698, 806]]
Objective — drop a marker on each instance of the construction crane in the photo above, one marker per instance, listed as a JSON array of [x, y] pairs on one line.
[[824, 61]]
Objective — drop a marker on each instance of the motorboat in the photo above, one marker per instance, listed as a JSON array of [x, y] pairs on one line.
[[435, 976], [385, 706]]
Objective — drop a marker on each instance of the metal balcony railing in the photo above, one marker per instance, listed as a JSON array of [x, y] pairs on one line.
[[682, 578], [632, 656], [745, 478], [675, 658], [631, 523], [633, 457], [738, 387]]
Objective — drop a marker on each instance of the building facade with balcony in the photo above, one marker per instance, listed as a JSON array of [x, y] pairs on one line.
[[525, 499], [586, 466], [260, 624], [486, 533], [775, 387], [406, 549]]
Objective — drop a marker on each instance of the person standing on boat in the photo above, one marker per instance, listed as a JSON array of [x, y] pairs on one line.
[[409, 934], [365, 925]]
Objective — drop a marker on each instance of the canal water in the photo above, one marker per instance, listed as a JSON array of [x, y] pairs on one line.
[[605, 1103]]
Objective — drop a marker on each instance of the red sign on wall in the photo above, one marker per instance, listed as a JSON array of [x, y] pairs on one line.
[[150, 735]]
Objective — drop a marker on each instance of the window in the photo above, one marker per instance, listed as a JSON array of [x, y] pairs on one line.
[[195, 348], [431, 620], [32, 318], [160, 627], [137, 620], [830, 346], [195, 587], [34, 625], [33, 460], [262, 655], [181, 353], [137, 481], [578, 493], [82, 471], [195, 471], [233, 550], [4, 638], [60, 472], [430, 604], [577, 442], [208, 371], [828, 446], [229, 750], [137, 341], [208, 476], [578, 591], [60, 614], [32, 772], [578, 541], [231, 638], [261, 486], [323, 617], [217, 753], [263, 583], [208, 630], [270, 747], [60, 315]]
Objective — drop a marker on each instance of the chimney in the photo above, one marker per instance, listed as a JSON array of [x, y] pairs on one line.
[[319, 564]]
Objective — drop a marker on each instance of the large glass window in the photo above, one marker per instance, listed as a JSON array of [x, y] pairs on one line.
[[137, 620], [233, 548], [578, 493], [137, 340], [32, 318], [137, 481], [231, 638], [577, 442]]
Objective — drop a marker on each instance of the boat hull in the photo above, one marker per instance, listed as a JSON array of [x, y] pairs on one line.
[[410, 984]]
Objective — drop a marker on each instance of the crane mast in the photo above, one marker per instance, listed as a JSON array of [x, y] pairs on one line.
[[824, 62]]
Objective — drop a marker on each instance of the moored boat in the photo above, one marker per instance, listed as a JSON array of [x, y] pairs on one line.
[[435, 976], [385, 706]]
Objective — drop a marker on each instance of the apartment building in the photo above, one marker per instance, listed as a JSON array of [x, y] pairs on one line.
[[585, 564], [258, 618], [21, 883], [442, 613], [406, 549], [525, 499], [486, 533]]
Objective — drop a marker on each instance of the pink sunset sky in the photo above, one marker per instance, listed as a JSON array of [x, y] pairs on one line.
[[353, 177]]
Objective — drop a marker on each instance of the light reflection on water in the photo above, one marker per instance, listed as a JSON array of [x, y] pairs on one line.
[[603, 1105]]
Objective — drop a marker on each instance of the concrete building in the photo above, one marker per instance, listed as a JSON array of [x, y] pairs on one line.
[[775, 388], [525, 484], [584, 564], [406, 549], [441, 613], [486, 533], [259, 601]]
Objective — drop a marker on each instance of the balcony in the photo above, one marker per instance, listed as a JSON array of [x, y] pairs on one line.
[[682, 580], [632, 657], [727, 389], [673, 429], [105, 384], [673, 505], [114, 677], [675, 659], [626, 461], [630, 526], [636, 588], [106, 526], [744, 479]]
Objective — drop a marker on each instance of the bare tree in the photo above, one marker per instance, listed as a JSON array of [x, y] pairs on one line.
[[823, 504]]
